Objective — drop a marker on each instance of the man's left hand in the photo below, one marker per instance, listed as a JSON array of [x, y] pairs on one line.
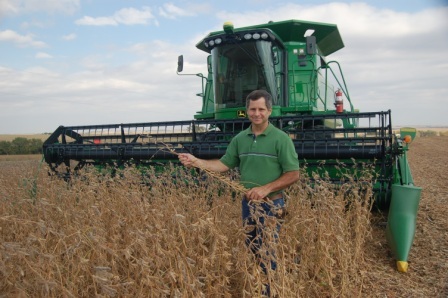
[[257, 193]]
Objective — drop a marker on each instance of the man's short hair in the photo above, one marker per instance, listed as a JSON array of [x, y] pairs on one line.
[[257, 94]]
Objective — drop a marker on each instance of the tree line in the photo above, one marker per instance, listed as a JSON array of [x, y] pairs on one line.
[[21, 146]]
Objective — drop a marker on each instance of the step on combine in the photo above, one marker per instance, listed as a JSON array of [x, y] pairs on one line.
[[311, 103]]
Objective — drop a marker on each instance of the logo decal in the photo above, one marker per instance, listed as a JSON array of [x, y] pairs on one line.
[[241, 114]]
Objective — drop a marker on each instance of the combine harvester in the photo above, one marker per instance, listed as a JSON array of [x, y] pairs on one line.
[[287, 59]]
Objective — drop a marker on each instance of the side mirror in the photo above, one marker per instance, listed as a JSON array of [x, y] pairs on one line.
[[180, 67], [180, 63]]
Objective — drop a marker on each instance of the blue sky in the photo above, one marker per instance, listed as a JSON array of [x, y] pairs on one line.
[[80, 62]]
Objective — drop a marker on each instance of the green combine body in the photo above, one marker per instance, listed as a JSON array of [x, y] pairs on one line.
[[311, 103], [277, 57]]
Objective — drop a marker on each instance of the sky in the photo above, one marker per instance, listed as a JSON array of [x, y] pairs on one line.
[[85, 62]]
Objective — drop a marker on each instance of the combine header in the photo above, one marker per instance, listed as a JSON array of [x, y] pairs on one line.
[[311, 103]]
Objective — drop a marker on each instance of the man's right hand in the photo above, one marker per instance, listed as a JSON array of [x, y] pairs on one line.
[[214, 165], [187, 159]]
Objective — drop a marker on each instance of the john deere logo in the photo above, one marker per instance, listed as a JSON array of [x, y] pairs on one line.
[[241, 114]]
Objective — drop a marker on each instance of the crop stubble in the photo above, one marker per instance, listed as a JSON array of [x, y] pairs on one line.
[[118, 237]]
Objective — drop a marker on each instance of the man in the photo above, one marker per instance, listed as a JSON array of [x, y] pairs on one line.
[[267, 162]]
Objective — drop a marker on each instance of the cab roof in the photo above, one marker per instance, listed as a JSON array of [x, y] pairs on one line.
[[327, 36]]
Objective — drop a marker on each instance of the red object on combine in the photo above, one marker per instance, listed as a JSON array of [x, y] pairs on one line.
[[339, 104]]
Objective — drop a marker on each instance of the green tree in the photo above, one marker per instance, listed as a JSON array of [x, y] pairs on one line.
[[21, 146], [5, 147], [35, 146]]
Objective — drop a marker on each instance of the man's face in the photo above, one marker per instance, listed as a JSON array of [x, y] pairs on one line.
[[257, 111]]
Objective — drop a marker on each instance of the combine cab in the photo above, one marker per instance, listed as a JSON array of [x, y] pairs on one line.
[[311, 103]]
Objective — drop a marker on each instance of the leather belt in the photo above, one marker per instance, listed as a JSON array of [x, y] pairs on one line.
[[276, 196], [273, 198]]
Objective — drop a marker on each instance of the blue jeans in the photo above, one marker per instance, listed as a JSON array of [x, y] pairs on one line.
[[255, 226]]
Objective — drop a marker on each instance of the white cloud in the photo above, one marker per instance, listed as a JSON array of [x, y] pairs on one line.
[[49, 6], [132, 16], [358, 18], [125, 16], [21, 40], [171, 11], [100, 21], [42, 55], [8, 7], [36, 24], [71, 36]]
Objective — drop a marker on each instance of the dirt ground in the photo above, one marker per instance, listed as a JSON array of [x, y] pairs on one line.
[[428, 259]]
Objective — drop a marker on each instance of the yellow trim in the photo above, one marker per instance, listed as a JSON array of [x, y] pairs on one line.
[[402, 266]]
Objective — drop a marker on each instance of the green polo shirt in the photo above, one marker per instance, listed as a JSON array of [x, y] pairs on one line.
[[261, 159]]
